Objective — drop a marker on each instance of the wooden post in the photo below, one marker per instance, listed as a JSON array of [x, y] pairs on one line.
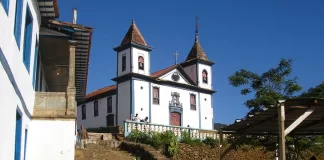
[[281, 125]]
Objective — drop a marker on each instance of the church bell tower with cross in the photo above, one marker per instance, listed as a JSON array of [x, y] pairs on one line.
[[198, 65]]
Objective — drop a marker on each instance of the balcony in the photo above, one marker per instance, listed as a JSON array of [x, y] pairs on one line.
[[50, 105]]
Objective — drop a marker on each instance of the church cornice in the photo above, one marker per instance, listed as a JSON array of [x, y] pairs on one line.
[[132, 44], [195, 61], [129, 76]]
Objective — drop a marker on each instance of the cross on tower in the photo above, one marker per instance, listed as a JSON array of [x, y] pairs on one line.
[[176, 54]]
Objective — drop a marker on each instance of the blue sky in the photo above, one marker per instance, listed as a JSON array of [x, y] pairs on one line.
[[252, 34]]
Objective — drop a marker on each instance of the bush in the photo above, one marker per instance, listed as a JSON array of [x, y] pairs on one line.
[[166, 141], [187, 139], [210, 141]]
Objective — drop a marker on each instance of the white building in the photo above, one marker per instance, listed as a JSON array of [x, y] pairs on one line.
[[39, 81], [178, 95]]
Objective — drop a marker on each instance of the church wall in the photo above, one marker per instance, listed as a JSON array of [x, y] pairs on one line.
[[168, 76], [206, 111], [16, 88], [191, 72], [160, 113], [202, 67], [137, 52], [124, 102], [100, 120], [57, 139], [120, 55], [141, 98]]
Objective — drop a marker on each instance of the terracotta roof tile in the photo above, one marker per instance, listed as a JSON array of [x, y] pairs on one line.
[[133, 35], [163, 71], [197, 52], [101, 91]]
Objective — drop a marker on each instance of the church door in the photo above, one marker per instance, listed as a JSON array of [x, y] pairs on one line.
[[175, 119]]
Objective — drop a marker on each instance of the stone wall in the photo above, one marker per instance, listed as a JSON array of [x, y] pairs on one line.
[[204, 152], [100, 136]]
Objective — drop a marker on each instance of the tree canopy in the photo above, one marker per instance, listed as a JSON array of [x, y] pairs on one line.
[[269, 87]]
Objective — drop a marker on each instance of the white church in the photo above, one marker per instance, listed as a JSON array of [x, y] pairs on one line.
[[179, 95]]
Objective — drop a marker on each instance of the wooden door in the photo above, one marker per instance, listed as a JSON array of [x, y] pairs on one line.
[[110, 120], [175, 119]]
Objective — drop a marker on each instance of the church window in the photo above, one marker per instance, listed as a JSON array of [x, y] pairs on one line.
[[109, 105], [192, 102], [84, 112], [205, 76], [140, 63], [95, 109], [156, 95], [123, 63]]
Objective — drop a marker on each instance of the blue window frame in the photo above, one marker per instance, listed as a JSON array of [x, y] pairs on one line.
[[18, 19], [5, 4], [28, 39], [25, 145], [35, 66], [18, 134]]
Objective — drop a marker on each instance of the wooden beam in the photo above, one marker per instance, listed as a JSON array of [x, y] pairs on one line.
[[299, 120], [281, 127]]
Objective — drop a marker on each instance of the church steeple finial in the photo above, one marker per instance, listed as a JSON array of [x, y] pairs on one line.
[[196, 36], [133, 21]]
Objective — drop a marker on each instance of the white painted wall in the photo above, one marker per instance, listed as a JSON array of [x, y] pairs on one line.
[[14, 57], [136, 53], [123, 102], [51, 140], [206, 111], [202, 67], [159, 113], [141, 98], [168, 77], [100, 120]]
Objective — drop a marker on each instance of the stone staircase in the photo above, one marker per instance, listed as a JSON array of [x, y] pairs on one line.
[[100, 143]]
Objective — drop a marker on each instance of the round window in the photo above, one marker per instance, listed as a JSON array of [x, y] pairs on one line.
[[175, 76]]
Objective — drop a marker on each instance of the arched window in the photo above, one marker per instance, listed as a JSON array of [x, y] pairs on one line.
[[140, 63], [205, 76]]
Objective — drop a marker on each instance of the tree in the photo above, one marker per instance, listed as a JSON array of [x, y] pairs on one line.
[[317, 91], [269, 87]]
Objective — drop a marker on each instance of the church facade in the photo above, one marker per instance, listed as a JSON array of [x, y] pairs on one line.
[[179, 95]]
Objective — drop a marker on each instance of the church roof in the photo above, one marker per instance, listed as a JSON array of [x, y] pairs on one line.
[[163, 71], [197, 52], [101, 91], [133, 35]]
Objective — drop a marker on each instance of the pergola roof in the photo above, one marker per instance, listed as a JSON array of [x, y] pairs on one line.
[[48, 8], [266, 121]]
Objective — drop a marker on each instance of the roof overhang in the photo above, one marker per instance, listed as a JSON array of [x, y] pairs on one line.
[[48, 8], [266, 121], [195, 61], [132, 44], [83, 37]]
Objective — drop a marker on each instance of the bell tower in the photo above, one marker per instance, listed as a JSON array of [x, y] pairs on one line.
[[133, 53], [197, 65]]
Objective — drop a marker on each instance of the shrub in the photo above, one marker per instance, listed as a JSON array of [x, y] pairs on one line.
[[210, 141], [138, 136], [157, 140], [186, 138]]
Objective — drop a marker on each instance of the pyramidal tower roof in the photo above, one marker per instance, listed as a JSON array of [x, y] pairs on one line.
[[197, 52], [133, 35]]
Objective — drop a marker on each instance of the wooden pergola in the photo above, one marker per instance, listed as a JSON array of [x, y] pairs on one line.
[[298, 116]]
